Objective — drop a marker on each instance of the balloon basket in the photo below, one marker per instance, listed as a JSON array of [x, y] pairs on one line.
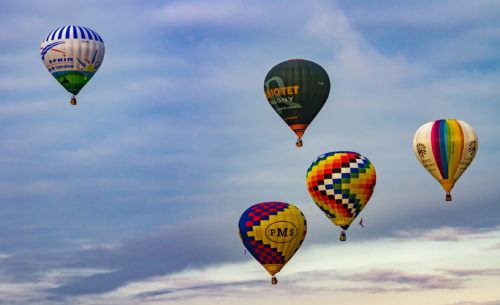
[[274, 280], [342, 236], [448, 197], [73, 100], [299, 143]]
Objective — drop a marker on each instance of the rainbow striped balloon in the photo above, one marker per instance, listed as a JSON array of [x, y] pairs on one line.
[[445, 148]]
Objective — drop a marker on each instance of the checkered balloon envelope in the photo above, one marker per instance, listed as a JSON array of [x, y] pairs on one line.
[[341, 183]]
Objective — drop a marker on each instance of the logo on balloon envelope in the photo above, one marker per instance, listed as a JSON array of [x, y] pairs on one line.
[[281, 231], [72, 54], [281, 97], [421, 150], [472, 147]]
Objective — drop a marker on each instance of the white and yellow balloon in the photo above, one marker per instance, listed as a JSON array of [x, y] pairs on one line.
[[445, 148]]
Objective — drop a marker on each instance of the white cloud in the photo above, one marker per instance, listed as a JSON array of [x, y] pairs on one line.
[[205, 13], [356, 272], [429, 13]]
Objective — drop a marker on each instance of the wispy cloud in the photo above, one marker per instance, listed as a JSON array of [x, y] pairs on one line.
[[472, 272], [494, 247], [492, 302], [408, 281], [164, 252], [447, 233], [427, 13], [381, 281], [205, 13], [198, 288]]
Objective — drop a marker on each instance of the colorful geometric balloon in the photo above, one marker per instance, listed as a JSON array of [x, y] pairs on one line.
[[72, 54], [445, 148], [341, 183], [297, 89], [272, 232]]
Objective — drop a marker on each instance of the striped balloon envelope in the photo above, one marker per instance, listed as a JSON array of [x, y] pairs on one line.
[[341, 183], [445, 148], [72, 54], [272, 232]]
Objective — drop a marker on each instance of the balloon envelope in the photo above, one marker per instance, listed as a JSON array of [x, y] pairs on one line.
[[272, 232], [341, 183], [72, 54], [445, 148], [297, 89]]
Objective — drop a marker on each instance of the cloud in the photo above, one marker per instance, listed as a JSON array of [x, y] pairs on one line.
[[408, 281], [203, 242], [446, 233], [427, 13], [493, 302], [104, 270], [198, 288], [472, 272], [384, 280], [494, 247], [202, 13], [358, 62]]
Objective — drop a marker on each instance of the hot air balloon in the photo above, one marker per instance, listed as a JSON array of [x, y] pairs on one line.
[[341, 183], [445, 148], [272, 232], [72, 54], [297, 89]]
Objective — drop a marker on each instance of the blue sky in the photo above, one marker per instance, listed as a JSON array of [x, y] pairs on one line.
[[133, 196]]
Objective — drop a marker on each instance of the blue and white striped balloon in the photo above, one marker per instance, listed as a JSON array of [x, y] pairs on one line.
[[72, 54]]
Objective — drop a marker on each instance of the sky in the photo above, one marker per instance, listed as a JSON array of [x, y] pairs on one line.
[[133, 196]]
